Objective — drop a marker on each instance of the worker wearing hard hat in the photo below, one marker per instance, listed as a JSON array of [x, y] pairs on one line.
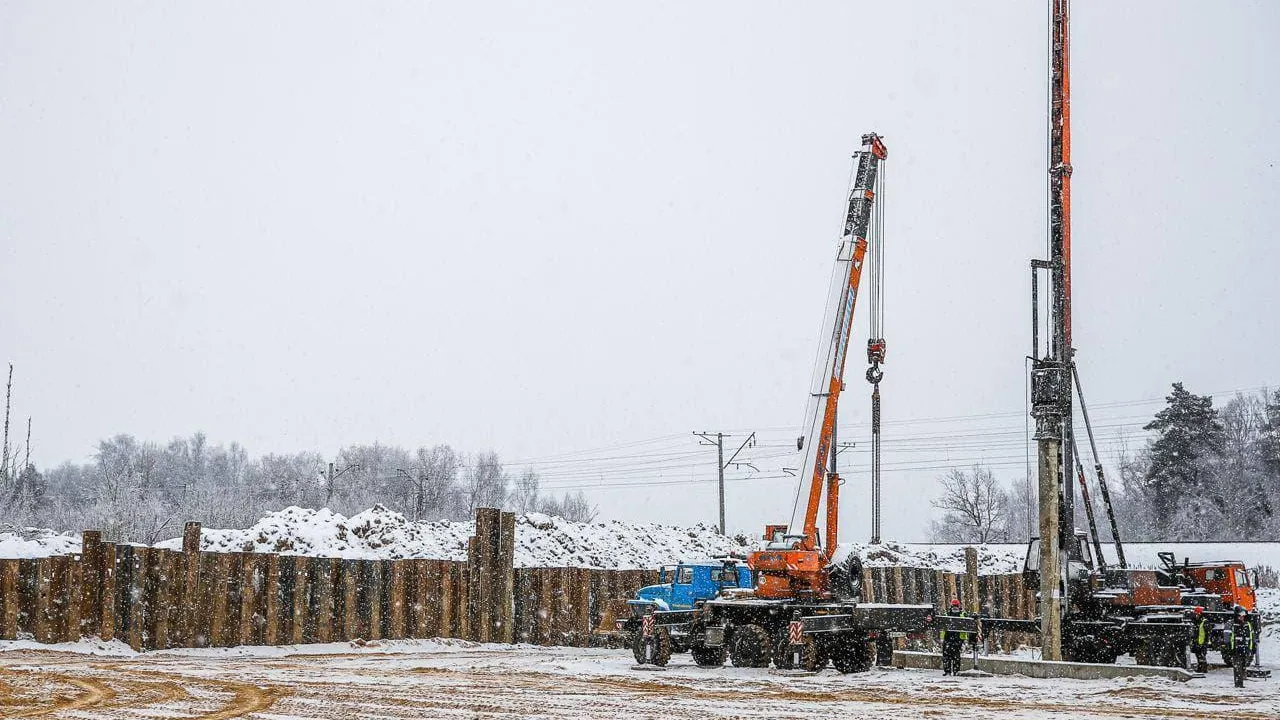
[[1240, 645], [1200, 639], [952, 642]]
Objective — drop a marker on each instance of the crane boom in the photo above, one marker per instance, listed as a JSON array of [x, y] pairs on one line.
[[798, 568], [854, 243]]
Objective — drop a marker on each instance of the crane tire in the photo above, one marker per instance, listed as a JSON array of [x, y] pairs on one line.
[[846, 578], [708, 656], [783, 658], [821, 656], [852, 654], [751, 647], [661, 648]]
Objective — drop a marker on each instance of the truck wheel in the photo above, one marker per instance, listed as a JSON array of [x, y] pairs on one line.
[[852, 655], [784, 656], [708, 656], [751, 647], [661, 648]]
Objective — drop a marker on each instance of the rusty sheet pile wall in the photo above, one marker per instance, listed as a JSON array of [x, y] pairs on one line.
[[1000, 595], [153, 598]]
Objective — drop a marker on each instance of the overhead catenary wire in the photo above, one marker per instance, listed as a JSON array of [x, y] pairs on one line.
[[935, 447]]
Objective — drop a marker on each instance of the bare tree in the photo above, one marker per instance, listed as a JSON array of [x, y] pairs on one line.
[[1023, 510], [573, 508], [486, 484], [975, 507], [437, 471], [524, 497]]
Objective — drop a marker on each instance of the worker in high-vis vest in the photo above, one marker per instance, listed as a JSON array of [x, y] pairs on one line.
[[1200, 639], [952, 642], [1240, 646]]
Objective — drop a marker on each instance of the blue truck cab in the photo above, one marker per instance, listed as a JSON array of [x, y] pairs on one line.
[[680, 586]]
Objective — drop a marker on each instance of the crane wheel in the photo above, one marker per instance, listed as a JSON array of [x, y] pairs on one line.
[[708, 656], [661, 648], [852, 654], [751, 647], [846, 578], [784, 656], [821, 654]]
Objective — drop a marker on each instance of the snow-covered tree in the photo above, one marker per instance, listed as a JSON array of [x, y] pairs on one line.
[[486, 482], [1190, 434]]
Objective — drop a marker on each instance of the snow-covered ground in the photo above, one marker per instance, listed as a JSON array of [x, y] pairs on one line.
[[447, 679], [37, 542]]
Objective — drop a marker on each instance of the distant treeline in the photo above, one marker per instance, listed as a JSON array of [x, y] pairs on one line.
[[137, 491], [1206, 474]]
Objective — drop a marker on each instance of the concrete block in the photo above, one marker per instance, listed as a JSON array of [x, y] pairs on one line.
[[926, 660], [1039, 668]]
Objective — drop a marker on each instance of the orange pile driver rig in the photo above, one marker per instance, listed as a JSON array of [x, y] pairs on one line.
[[806, 609]]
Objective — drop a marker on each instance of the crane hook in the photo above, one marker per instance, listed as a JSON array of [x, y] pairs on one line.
[[874, 374]]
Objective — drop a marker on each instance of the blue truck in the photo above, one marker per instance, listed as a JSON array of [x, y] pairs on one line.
[[681, 589]]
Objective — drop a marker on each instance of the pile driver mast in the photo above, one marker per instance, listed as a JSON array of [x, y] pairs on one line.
[[797, 565], [1050, 372]]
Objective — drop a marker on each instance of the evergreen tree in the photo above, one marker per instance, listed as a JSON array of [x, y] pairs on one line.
[[1190, 434], [1269, 437]]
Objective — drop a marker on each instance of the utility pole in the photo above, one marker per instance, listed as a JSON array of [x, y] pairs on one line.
[[721, 464], [1050, 374], [4, 455], [331, 477], [418, 479]]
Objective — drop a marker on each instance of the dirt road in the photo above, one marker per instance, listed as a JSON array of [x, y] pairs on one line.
[[434, 680]]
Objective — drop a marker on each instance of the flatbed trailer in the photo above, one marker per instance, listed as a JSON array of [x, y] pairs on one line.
[[792, 635]]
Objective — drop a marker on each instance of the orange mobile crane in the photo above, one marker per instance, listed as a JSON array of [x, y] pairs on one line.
[[805, 609], [798, 566]]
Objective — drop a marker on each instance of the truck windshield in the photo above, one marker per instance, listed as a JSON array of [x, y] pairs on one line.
[[1033, 555], [728, 576]]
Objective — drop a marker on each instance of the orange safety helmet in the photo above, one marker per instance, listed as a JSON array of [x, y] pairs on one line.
[[955, 603]]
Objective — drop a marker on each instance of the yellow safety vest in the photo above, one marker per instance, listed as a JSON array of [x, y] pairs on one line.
[[942, 634]]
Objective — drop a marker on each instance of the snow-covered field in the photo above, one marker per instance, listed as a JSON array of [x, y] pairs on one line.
[[446, 679]]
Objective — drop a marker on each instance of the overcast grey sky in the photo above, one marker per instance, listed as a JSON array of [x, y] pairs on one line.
[[547, 228]]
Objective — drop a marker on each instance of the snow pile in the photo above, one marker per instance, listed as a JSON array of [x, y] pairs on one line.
[[541, 541], [992, 560], [37, 542], [376, 533]]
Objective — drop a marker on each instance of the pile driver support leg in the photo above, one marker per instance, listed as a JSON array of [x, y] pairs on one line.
[[1088, 506], [1097, 468]]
